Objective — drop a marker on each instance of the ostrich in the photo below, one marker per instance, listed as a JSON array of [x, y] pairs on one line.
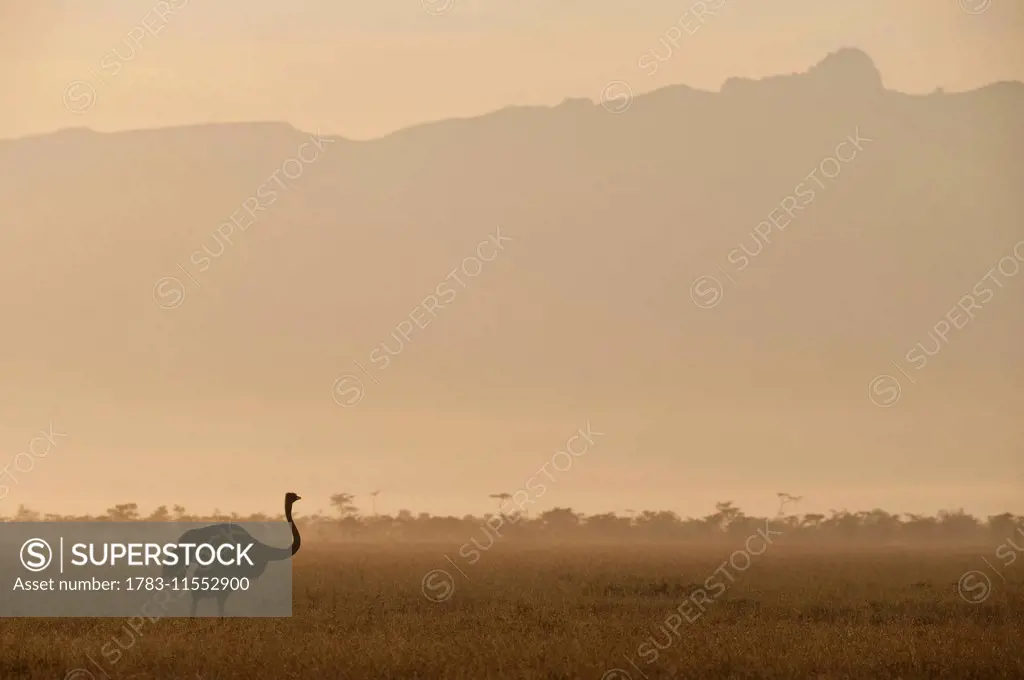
[[373, 501], [261, 554]]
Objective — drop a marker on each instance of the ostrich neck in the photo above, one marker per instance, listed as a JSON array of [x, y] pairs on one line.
[[296, 538], [285, 553]]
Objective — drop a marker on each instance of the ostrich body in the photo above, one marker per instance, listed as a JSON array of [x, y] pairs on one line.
[[261, 554]]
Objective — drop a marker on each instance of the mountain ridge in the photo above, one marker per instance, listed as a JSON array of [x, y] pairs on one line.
[[849, 64], [838, 233], [678, 181]]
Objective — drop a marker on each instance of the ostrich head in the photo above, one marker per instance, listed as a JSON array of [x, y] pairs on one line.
[[291, 497]]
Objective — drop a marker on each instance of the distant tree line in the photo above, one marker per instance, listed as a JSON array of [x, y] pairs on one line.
[[566, 525]]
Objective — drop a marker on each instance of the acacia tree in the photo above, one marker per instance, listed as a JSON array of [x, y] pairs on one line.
[[344, 504], [159, 515], [123, 512], [560, 520], [501, 498]]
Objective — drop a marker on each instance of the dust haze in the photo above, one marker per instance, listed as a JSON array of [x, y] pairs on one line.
[[845, 187], [547, 301]]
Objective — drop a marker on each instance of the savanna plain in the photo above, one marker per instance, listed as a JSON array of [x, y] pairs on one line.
[[546, 612]]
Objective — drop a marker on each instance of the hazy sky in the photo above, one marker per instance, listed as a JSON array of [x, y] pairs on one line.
[[362, 70]]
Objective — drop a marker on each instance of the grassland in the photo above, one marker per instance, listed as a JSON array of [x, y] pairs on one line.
[[545, 613]]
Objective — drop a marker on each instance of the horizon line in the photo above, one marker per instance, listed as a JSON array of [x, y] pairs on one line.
[[938, 91]]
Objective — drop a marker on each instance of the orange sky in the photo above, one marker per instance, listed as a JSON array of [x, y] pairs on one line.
[[363, 70]]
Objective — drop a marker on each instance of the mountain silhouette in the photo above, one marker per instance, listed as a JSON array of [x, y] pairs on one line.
[[611, 219]]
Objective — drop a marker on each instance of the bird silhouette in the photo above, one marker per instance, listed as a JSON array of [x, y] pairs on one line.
[[260, 554]]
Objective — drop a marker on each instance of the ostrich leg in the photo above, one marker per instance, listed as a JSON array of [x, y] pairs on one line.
[[195, 603], [222, 599]]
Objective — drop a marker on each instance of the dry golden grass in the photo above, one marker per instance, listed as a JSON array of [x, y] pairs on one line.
[[532, 613]]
